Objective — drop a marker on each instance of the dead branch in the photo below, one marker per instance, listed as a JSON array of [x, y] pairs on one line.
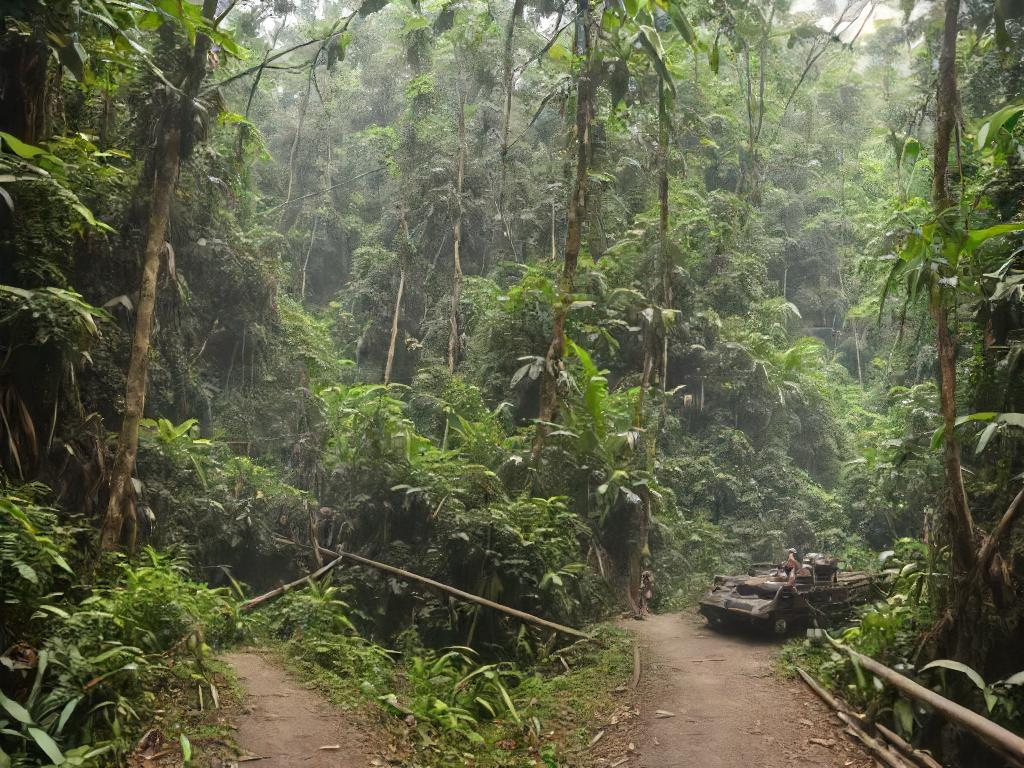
[[988, 551], [307, 579], [410, 576], [853, 720], [458, 593]]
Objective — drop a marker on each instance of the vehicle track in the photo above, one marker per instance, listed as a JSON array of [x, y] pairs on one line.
[[714, 700], [285, 725]]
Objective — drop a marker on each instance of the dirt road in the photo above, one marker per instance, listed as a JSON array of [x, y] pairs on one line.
[[728, 708], [286, 725]]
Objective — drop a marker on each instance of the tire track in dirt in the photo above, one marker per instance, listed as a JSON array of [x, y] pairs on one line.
[[728, 707], [285, 725]]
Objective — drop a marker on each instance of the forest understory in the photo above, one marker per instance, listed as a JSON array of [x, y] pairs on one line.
[[392, 351]]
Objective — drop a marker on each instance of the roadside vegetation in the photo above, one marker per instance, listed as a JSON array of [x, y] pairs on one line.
[[522, 298]]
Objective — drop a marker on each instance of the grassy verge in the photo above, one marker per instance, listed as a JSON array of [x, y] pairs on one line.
[[450, 707]]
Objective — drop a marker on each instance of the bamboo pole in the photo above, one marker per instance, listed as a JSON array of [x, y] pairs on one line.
[[921, 758], [855, 722], [993, 734], [409, 575], [458, 593], [873, 745], [308, 578]]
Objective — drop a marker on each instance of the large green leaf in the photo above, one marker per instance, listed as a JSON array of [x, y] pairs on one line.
[[957, 666], [47, 744], [15, 710], [20, 148], [980, 416], [649, 40], [682, 23], [904, 713], [1005, 118], [976, 237]]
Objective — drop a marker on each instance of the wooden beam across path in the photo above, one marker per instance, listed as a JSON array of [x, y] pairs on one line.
[[410, 576], [458, 593]]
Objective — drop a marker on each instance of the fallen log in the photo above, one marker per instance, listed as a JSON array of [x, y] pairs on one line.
[[852, 719], [308, 578], [920, 757], [881, 752], [458, 593], [409, 575], [636, 663], [994, 735]]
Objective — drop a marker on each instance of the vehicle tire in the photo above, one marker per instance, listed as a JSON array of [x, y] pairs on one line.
[[780, 626]]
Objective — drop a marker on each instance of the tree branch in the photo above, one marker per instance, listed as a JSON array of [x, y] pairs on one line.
[[1005, 525]]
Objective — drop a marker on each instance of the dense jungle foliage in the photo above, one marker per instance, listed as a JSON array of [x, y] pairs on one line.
[[520, 297]]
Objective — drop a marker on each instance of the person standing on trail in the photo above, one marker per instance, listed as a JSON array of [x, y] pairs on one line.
[[646, 591]]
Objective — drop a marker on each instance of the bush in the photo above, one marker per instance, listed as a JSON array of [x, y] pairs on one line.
[[81, 666]]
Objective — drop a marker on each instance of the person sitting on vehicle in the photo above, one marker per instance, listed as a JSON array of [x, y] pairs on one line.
[[792, 564]]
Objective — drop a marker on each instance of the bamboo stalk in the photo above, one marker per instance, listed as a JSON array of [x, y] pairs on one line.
[[921, 758], [409, 575], [458, 593], [309, 577], [879, 750], [852, 719], [991, 733]]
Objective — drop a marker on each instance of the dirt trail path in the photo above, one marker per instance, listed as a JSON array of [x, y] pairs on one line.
[[286, 725], [730, 708]]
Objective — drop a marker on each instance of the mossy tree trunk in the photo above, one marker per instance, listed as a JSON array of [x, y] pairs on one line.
[[577, 213], [164, 161], [453, 337]]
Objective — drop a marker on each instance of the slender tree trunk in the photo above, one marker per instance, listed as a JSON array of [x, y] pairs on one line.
[[309, 251], [291, 212], [23, 97], [453, 338], [959, 515], [509, 82], [966, 606], [554, 242], [394, 326], [165, 161], [665, 255], [407, 244], [577, 214]]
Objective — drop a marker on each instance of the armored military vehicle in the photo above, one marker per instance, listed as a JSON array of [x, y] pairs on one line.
[[770, 599]]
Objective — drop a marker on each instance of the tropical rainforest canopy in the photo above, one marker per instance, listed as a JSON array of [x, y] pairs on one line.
[[516, 296]]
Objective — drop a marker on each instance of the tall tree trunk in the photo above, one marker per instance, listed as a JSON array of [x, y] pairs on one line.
[[165, 160], [402, 261], [291, 212], [961, 526], [666, 257], [640, 549], [966, 604], [509, 82], [576, 215], [453, 338], [23, 95]]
